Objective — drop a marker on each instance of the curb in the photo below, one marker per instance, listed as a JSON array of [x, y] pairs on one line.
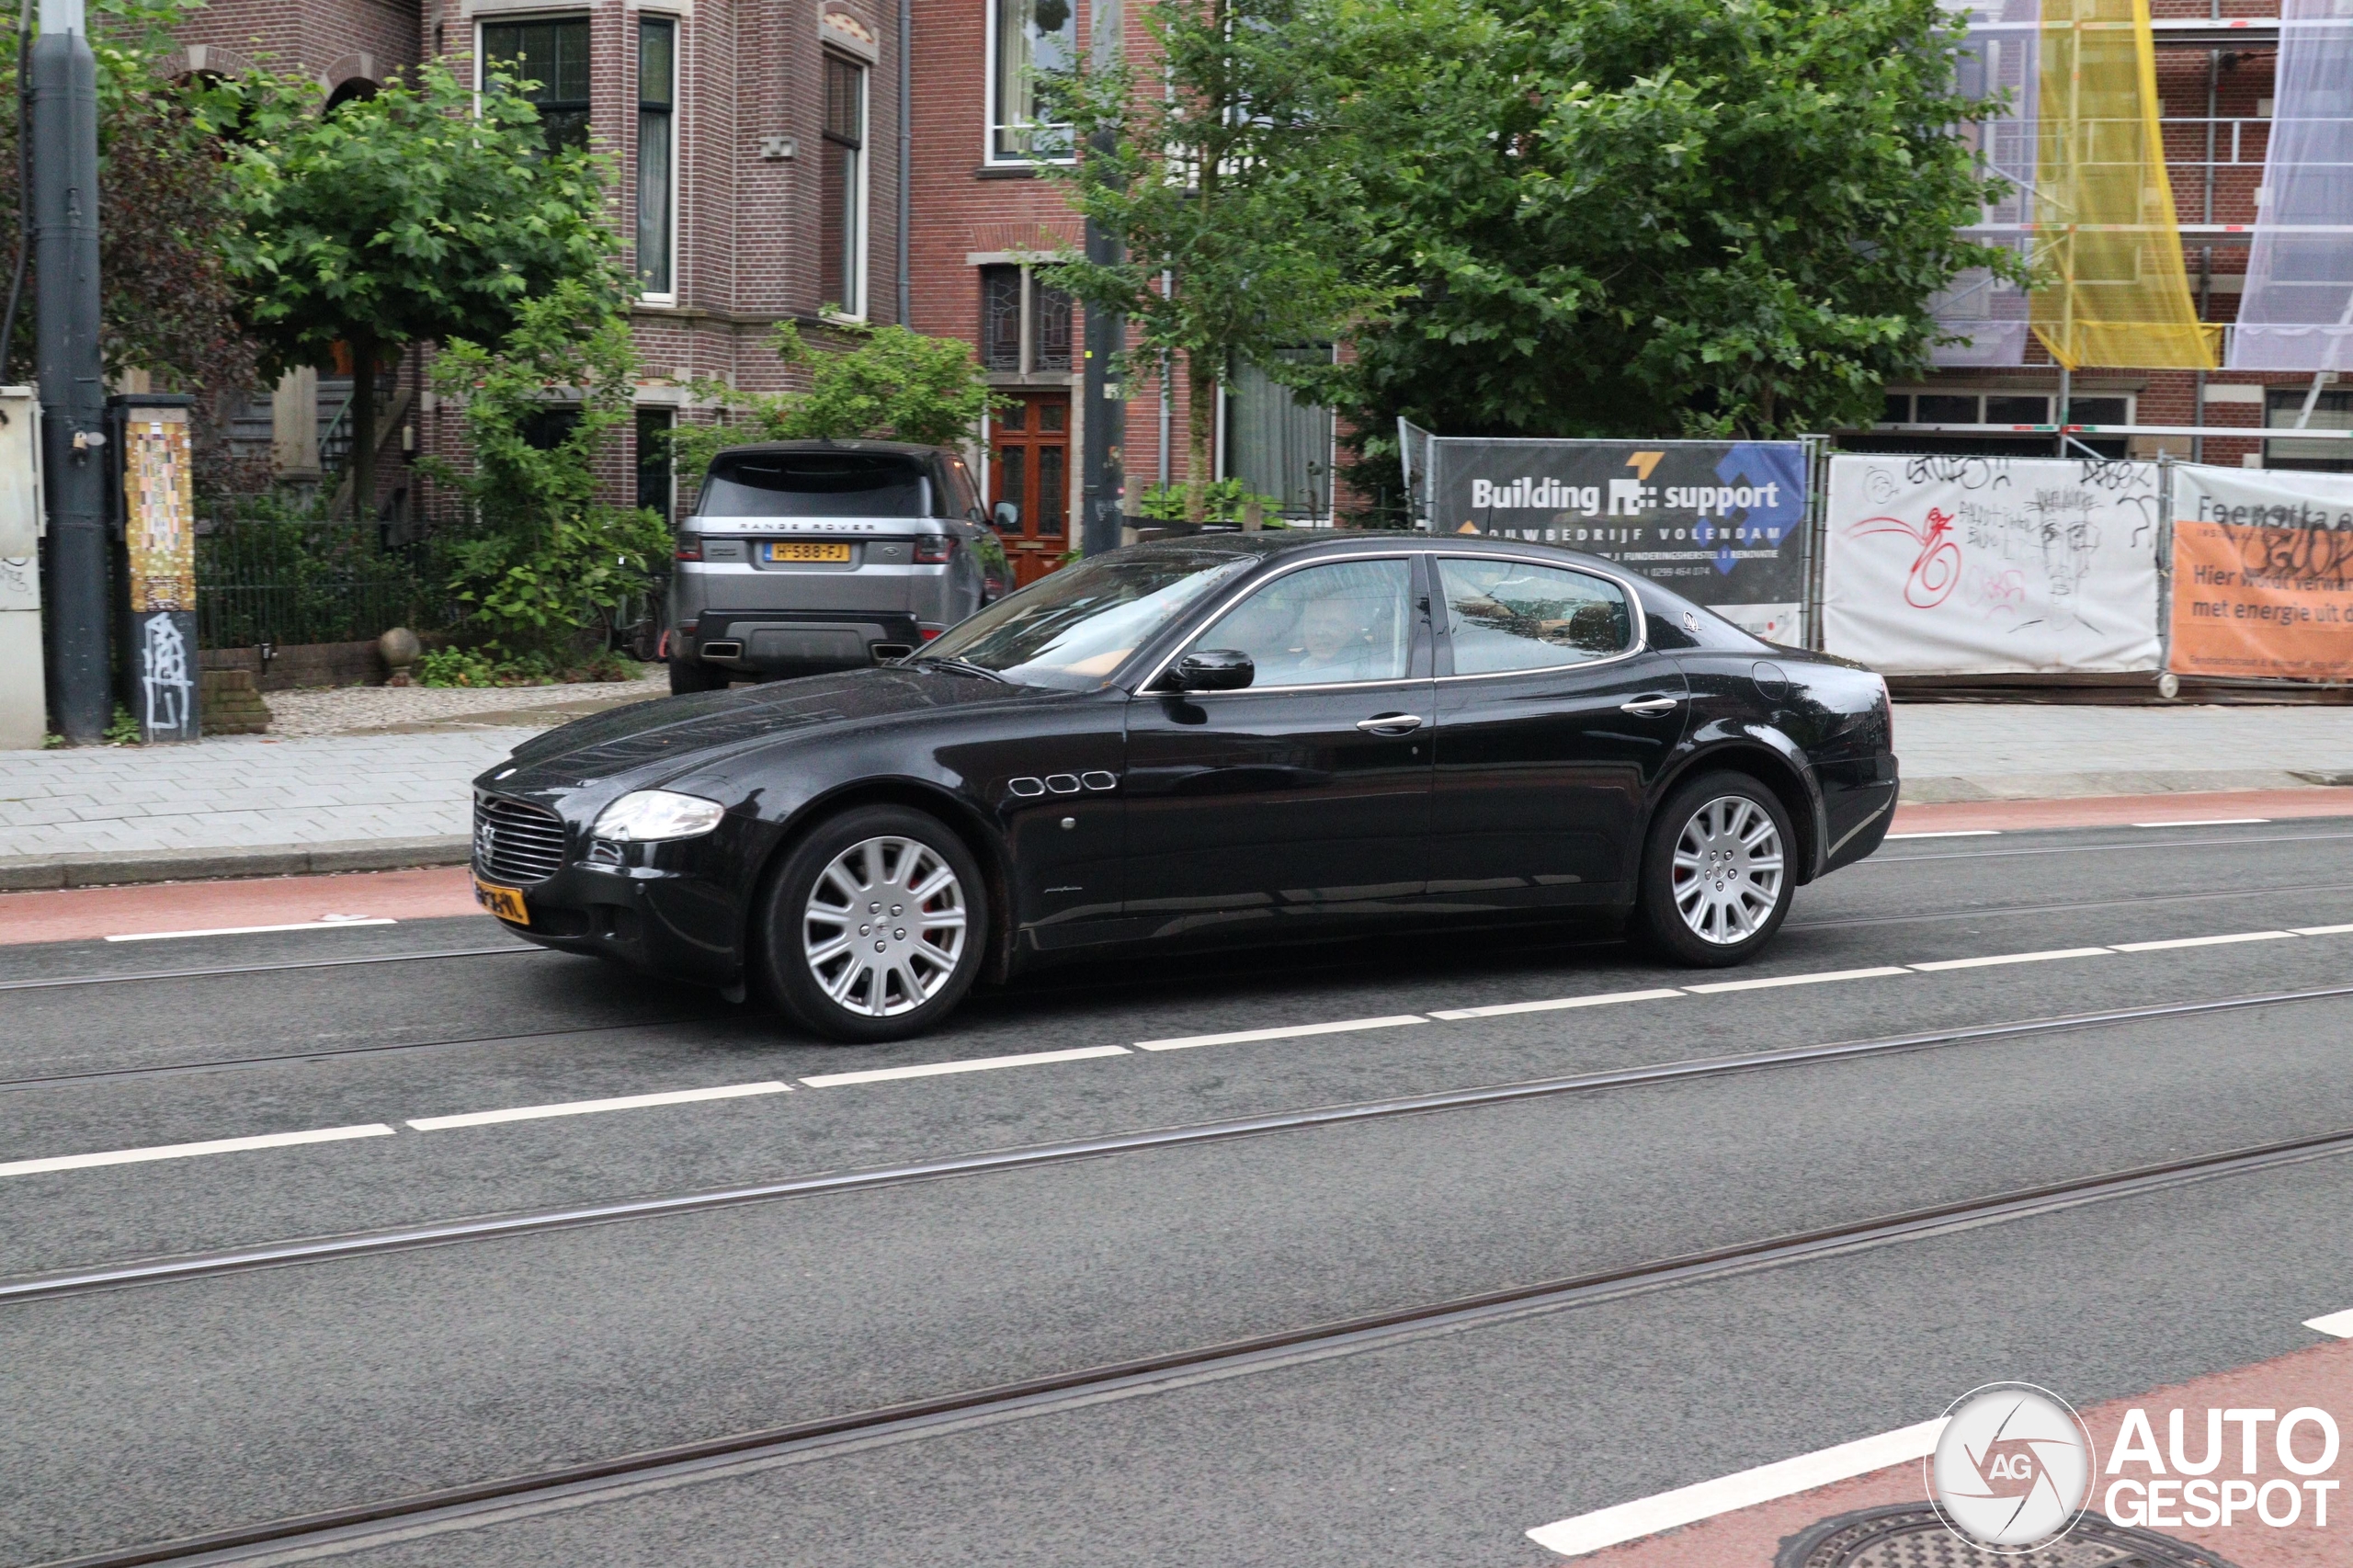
[[22, 873]]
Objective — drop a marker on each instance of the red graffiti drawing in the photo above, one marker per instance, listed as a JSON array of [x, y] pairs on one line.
[[1936, 569]]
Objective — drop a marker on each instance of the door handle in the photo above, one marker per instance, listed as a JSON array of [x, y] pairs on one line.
[[1649, 707], [1390, 723]]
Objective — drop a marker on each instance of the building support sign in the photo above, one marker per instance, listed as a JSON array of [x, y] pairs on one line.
[[2262, 574], [1723, 523]]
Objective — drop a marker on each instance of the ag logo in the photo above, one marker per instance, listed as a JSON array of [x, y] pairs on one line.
[[2013, 1468]]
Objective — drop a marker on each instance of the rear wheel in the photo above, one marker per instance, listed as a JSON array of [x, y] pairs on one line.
[[1716, 876], [689, 674], [874, 926]]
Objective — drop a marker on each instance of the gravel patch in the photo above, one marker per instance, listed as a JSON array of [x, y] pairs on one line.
[[345, 710]]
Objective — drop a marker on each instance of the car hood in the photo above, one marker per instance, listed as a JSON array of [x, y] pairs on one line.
[[661, 738]]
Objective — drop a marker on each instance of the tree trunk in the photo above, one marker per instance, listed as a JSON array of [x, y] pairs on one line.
[[363, 430], [1200, 432]]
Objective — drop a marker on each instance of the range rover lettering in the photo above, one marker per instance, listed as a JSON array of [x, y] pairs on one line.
[[1236, 739]]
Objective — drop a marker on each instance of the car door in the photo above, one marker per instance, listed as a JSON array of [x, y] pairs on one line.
[[1304, 796], [1555, 721]]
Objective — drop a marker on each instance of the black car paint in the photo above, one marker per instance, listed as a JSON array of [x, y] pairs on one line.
[[1059, 853]]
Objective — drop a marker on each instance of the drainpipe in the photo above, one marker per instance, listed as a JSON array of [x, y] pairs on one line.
[[2206, 253], [906, 159]]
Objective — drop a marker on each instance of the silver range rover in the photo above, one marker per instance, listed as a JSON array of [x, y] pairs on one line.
[[807, 556]]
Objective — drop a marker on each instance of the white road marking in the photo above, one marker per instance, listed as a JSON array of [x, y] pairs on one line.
[[590, 1108], [334, 925], [1689, 1505], [2205, 822], [1954, 833], [2319, 930], [2337, 1323], [189, 1151], [1244, 1037], [975, 1064], [1602, 999], [1991, 959], [2201, 941], [1714, 986]]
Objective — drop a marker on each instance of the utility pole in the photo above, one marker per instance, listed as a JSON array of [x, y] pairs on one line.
[[63, 102], [1102, 482]]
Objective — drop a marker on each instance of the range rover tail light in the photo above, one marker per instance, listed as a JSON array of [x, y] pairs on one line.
[[933, 550]]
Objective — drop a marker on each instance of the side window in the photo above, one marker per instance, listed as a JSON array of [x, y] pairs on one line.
[[1510, 615], [1323, 626]]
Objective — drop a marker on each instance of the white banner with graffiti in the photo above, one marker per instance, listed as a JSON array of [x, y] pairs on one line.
[[1967, 566]]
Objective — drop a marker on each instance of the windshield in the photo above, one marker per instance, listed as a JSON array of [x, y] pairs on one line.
[[815, 485], [1074, 628]]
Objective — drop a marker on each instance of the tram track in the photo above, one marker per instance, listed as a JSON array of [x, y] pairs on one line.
[[479, 1502], [163, 1271]]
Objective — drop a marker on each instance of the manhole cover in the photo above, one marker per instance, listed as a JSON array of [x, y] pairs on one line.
[[1911, 1536]]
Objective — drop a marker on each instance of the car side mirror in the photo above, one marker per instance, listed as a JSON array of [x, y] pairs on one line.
[[1212, 669], [1008, 514]]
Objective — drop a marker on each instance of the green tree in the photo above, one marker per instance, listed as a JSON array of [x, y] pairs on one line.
[[894, 384], [426, 212], [1652, 217], [1221, 169], [541, 556]]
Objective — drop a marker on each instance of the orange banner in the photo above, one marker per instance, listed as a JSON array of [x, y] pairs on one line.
[[2262, 603]]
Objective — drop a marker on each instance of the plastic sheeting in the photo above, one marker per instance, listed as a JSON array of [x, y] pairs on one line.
[[1987, 313], [1960, 565], [2112, 289], [2297, 314]]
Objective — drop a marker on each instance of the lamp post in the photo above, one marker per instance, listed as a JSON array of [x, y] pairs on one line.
[[1102, 482], [63, 105]]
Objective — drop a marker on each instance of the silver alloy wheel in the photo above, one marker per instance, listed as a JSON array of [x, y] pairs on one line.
[[884, 926], [1728, 869]]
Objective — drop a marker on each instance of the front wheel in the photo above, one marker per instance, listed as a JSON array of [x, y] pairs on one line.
[[1715, 880], [874, 926]]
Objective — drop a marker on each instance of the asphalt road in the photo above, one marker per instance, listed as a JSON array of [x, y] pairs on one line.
[[224, 1397]]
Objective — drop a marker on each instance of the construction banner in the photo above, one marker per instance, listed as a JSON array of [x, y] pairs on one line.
[[2262, 574], [1966, 565], [1720, 522]]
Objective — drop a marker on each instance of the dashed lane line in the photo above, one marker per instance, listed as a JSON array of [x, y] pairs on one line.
[[191, 1150], [2172, 942], [1245, 1037], [2208, 822], [1951, 833], [1775, 981], [2339, 1324], [1601, 999], [591, 1108], [1688, 1504], [1991, 959], [973, 1064], [329, 925]]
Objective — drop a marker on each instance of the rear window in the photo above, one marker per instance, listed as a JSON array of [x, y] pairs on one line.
[[816, 484]]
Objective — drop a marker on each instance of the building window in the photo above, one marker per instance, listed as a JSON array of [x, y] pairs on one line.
[[657, 490], [842, 231], [1028, 38], [2283, 407], [658, 105], [1277, 445], [1025, 325], [551, 55]]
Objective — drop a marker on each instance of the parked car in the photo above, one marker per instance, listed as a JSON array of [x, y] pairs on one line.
[[1229, 737], [805, 557]]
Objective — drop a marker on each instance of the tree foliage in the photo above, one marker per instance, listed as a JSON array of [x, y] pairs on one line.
[[1221, 167], [894, 384], [543, 558], [1652, 217], [426, 212]]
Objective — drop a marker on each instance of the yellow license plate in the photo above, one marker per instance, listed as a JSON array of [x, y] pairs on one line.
[[505, 902], [795, 551]]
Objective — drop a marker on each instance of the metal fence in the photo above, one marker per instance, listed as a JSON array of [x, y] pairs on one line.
[[290, 583]]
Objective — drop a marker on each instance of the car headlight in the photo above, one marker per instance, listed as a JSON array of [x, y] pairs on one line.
[[648, 816]]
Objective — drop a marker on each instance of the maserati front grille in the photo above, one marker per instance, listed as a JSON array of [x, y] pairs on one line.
[[515, 842]]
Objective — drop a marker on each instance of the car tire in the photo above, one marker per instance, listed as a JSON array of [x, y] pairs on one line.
[[1718, 872], [691, 675], [895, 967]]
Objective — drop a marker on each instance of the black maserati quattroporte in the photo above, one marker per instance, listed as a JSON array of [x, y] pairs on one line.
[[1227, 738]]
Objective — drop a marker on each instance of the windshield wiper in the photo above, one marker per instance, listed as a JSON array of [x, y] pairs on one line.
[[962, 668]]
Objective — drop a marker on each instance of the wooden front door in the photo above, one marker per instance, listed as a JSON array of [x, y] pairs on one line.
[[1030, 466]]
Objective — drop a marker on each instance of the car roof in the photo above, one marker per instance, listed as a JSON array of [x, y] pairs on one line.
[[1286, 544]]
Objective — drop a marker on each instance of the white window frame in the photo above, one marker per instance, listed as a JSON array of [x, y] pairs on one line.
[[678, 143], [990, 156], [865, 187]]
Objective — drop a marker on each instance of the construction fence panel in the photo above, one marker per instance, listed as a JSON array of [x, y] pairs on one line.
[[1963, 565], [2262, 574]]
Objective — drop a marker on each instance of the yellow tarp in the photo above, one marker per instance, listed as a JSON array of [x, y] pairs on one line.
[[2109, 286]]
